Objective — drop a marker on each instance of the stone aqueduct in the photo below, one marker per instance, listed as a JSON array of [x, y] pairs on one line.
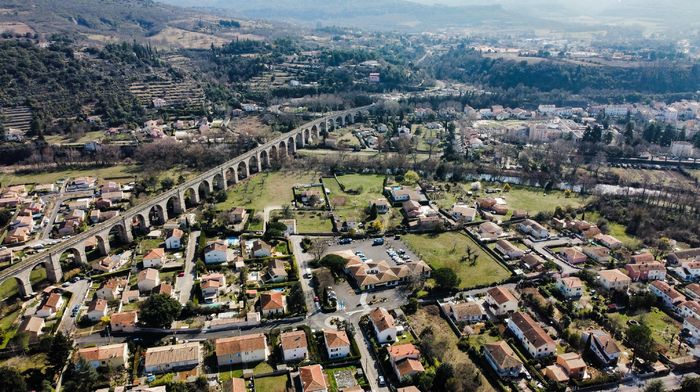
[[159, 209]]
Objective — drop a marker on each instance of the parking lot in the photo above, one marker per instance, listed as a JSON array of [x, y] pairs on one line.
[[378, 252]]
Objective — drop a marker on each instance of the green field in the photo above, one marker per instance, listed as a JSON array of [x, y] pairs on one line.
[[447, 249], [271, 384], [309, 221], [616, 230], [346, 138], [48, 176], [237, 371], [359, 191], [87, 137], [663, 327], [266, 189], [9, 287]]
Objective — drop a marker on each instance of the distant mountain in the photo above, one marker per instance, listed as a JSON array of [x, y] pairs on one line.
[[374, 14]]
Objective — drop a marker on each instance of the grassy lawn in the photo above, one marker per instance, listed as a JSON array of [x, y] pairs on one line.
[[478, 340], [662, 326], [237, 371], [534, 200], [426, 135], [147, 244], [23, 363], [447, 249], [616, 230], [9, 287], [309, 221], [346, 138], [429, 316], [87, 137], [52, 176], [271, 384], [266, 189], [360, 189]]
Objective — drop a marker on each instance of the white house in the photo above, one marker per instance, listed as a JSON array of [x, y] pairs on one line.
[[97, 309], [602, 346], [273, 303], [502, 359], [312, 379], [294, 345], [124, 321], [111, 289], [242, 349], [501, 301], [508, 250], [384, 325], [218, 252], [175, 239], [337, 343], [114, 356], [536, 341], [693, 326], [166, 359], [614, 279], [570, 286], [668, 295], [154, 259], [534, 229], [463, 213], [261, 249], [468, 312], [148, 280], [51, 306]]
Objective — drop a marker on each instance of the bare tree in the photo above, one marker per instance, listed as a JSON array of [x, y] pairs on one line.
[[318, 247]]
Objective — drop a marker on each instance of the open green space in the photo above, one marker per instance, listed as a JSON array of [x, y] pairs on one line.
[[266, 189], [9, 287], [616, 230], [663, 327], [271, 384], [447, 250], [23, 363], [49, 176], [237, 371], [345, 138], [309, 221], [424, 135], [351, 204], [87, 137]]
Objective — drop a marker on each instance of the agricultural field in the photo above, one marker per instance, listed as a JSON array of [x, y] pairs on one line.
[[266, 190], [429, 317], [359, 191], [447, 250]]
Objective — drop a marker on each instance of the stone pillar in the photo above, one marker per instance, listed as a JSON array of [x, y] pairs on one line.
[[53, 266], [103, 243]]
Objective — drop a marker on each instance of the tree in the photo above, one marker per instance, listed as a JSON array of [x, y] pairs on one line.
[[411, 177], [5, 216], [446, 278], [317, 247], [334, 263], [12, 380], [287, 212], [80, 377], [60, 350], [296, 299], [159, 311], [167, 183], [691, 384], [640, 340], [655, 386]]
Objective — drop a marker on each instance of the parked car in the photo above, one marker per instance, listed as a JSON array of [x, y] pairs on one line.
[[345, 241], [381, 381], [378, 241]]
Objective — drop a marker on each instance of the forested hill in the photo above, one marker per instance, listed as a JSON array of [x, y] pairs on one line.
[[662, 77]]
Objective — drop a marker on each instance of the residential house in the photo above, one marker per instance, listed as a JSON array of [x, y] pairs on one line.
[[32, 326], [572, 255], [599, 254], [644, 257], [113, 356], [692, 324], [689, 309], [242, 349], [124, 321], [237, 215], [312, 379], [503, 359], [111, 289], [572, 364], [372, 274], [154, 259], [681, 256], [18, 235], [412, 209], [463, 213], [602, 345], [501, 300], [533, 229], [211, 285], [693, 290], [401, 194], [670, 297], [97, 309], [556, 373], [467, 312], [489, 231], [405, 360], [508, 250], [532, 262], [261, 249], [166, 359], [148, 280], [646, 271], [175, 239], [273, 303], [570, 286], [614, 279], [6, 255], [536, 341], [294, 345], [310, 197], [381, 204], [276, 271], [337, 343], [608, 241], [384, 325], [218, 252], [51, 306], [689, 270]]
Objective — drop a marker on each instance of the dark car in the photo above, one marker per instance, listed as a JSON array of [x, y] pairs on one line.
[[378, 241]]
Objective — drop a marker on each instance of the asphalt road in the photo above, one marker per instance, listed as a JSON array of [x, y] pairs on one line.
[[566, 268], [183, 285], [78, 289]]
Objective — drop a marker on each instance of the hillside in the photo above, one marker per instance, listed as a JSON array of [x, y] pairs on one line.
[[101, 21]]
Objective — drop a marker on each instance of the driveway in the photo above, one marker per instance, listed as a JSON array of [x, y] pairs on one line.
[[78, 290], [266, 214], [183, 285], [539, 248]]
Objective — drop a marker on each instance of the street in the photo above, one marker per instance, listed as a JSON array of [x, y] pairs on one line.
[[566, 269], [79, 290], [183, 285]]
